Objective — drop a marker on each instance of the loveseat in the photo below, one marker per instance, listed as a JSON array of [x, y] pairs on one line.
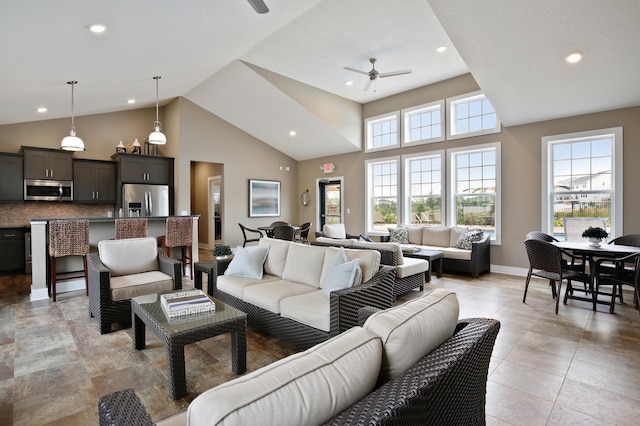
[[126, 268], [297, 293], [470, 256], [412, 364]]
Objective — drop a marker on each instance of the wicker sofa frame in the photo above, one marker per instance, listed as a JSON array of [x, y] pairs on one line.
[[445, 387], [108, 311]]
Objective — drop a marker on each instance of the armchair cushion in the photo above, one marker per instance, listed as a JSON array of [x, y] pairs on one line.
[[125, 287], [129, 256]]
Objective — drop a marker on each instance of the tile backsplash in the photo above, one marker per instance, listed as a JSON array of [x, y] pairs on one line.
[[18, 214]]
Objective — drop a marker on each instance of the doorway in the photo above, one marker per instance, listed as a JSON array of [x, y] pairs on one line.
[[203, 178], [215, 210], [330, 201]]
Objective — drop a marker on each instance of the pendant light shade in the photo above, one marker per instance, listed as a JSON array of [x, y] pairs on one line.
[[157, 137], [72, 142]]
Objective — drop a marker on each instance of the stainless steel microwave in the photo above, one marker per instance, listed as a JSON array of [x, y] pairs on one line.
[[48, 190]]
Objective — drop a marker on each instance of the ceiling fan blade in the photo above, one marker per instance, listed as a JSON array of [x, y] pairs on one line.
[[392, 73], [367, 86], [355, 70], [259, 6]]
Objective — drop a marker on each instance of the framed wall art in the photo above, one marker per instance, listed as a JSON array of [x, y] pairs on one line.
[[264, 198]]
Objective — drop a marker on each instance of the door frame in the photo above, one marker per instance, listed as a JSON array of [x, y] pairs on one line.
[[210, 213], [319, 204]]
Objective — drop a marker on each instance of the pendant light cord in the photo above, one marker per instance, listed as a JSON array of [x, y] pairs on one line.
[[156, 78], [73, 124]]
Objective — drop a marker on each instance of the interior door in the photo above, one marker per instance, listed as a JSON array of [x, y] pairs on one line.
[[330, 201]]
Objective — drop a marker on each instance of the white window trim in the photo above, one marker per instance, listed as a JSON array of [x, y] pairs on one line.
[[368, 211], [406, 123], [617, 192], [452, 181], [368, 122], [406, 183], [451, 116]]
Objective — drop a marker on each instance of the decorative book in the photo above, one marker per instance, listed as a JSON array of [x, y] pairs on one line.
[[185, 303]]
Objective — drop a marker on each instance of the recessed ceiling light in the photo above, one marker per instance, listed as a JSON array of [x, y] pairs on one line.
[[97, 28], [292, 133], [131, 101], [348, 83], [441, 49], [41, 109], [574, 57]]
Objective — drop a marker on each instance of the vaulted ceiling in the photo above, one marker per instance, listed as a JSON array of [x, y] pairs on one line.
[[271, 73]]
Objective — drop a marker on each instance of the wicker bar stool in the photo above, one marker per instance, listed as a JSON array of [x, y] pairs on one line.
[[68, 238], [179, 233], [131, 228]]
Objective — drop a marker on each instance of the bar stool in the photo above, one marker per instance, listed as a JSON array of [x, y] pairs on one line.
[[131, 228], [68, 238], [179, 233]]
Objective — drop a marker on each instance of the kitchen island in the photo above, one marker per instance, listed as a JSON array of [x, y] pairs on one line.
[[102, 228]]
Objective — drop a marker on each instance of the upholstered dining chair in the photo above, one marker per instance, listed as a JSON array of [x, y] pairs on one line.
[[303, 233], [179, 234], [69, 237], [246, 234], [284, 232], [545, 261], [131, 228]]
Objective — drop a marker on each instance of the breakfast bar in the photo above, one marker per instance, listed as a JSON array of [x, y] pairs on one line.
[[99, 229]]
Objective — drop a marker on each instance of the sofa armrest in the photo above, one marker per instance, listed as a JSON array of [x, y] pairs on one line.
[[171, 267], [364, 314], [123, 408], [377, 292], [99, 277], [446, 386]]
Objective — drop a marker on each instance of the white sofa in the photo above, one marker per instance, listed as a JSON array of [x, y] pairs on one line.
[[410, 364], [291, 297]]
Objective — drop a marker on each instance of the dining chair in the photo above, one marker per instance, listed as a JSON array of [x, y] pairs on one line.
[[575, 226], [617, 276], [284, 232], [620, 268], [545, 261], [304, 233], [249, 238]]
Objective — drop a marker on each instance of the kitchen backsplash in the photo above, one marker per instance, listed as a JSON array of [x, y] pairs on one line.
[[18, 214]]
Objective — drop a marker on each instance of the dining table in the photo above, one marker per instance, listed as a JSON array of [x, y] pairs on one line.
[[268, 229], [592, 253]]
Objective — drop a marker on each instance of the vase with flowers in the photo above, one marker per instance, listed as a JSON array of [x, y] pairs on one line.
[[221, 252], [595, 235]]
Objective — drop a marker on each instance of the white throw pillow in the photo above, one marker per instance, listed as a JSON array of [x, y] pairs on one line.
[[334, 230], [342, 273], [248, 262]]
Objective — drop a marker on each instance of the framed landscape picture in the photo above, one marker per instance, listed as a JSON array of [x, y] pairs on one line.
[[264, 198]]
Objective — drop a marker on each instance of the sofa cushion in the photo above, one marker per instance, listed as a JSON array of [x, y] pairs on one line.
[[338, 241], [399, 235], [412, 266], [426, 322], [369, 261], [129, 255], [415, 234], [269, 295], [304, 264], [125, 287], [325, 380], [437, 236], [278, 249], [455, 233], [312, 309], [341, 273], [468, 237], [334, 230], [235, 285], [248, 262], [385, 246]]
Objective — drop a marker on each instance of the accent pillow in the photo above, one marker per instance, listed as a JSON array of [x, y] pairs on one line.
[[342, 273], [399, 235], [468, 237], [248, 262], [364, 238]]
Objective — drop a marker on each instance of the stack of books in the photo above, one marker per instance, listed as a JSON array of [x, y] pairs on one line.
[[185, 303]]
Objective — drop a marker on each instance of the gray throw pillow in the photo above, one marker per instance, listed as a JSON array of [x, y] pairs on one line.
[[399, 235], [468, 237]]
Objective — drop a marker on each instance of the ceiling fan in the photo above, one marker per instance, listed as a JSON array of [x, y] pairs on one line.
[[259, 6], [374, 74]]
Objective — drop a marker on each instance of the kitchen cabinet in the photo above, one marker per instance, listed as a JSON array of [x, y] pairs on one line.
[[136, 168], [12, 250], [94, 181], [48, 164], [11, 177]]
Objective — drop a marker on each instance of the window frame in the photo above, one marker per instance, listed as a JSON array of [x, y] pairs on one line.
[[617, 188], [406, 183], [368, 129], [452, 184], [370, 230], [407, 113], [452, 116]]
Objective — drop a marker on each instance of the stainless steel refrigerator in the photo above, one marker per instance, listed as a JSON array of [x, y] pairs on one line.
[[145, 200]]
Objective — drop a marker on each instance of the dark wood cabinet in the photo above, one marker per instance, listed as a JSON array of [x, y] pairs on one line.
[[12, 253], [94, 181], [48, 164], [135, 168], [11, 177]]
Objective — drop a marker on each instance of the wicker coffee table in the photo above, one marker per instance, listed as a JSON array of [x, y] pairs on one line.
[[435, 261], [176, 333]]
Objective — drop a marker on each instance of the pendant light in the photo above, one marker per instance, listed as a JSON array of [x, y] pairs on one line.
[[157, 137], [72, 142]]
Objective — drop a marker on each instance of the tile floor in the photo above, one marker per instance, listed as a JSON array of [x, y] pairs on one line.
[[577, 367]]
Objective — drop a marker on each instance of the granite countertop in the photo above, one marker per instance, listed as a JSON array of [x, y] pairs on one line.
[[107, 219]]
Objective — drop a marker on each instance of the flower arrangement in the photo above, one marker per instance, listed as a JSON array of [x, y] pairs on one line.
[[596, 232], [219, 250]]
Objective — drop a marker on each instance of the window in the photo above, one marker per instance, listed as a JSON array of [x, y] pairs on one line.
[[471, 115], [582, 177], [423, 186], [382, 132], [382, 192], [423, 124], [474, 188]]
